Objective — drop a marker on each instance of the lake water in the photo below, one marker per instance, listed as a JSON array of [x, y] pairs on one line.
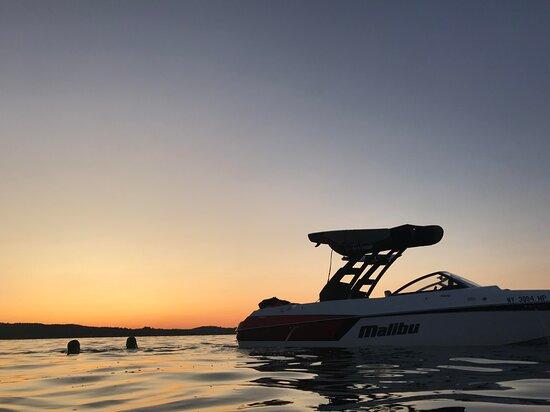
[[210, 372]]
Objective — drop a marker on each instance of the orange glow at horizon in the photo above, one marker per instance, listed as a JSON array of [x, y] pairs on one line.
[[181, 288]]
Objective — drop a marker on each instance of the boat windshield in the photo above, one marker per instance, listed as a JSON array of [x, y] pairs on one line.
[[434, 282]]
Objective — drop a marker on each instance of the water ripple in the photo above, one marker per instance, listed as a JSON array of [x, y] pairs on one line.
[[180, 373]]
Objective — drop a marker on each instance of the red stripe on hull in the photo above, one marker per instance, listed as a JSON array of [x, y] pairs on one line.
[[298, 328], [280, 320]]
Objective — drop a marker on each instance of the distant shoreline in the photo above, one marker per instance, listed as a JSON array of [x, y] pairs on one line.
[[12, 331]]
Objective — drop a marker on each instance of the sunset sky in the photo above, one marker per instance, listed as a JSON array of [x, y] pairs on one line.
[[161, 163]]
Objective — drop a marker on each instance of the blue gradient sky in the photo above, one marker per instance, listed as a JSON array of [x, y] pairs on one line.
[[158, 156]]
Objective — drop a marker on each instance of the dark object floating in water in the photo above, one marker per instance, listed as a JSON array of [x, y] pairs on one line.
[[131, 343], [73, 347]]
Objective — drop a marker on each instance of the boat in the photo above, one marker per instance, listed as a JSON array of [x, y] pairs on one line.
[[438, 308]]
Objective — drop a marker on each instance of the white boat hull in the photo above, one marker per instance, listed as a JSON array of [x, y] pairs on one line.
[[477, 316]]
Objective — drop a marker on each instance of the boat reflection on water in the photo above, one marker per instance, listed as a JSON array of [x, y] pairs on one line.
[[505, 378]]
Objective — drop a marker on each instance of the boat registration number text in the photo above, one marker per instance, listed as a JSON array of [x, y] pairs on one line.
[[527, 299]]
